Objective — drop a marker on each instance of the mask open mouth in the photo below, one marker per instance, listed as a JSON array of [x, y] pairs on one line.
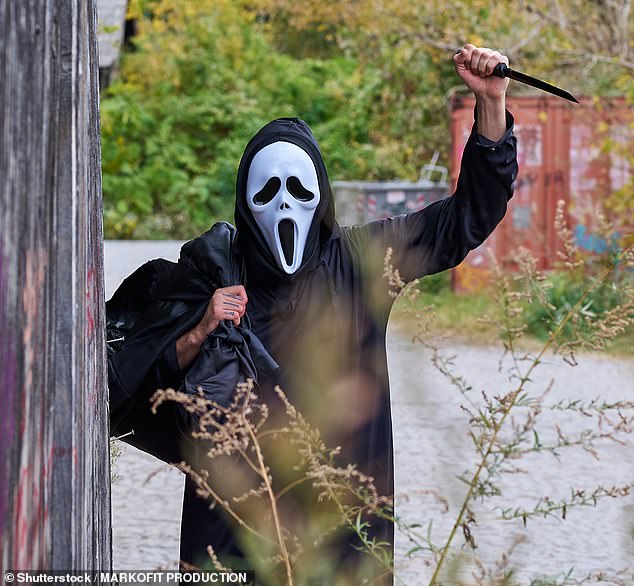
[[286, 231]]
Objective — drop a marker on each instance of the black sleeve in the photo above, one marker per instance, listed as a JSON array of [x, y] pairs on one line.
[[166, 374], [147, 360], [439, 236]]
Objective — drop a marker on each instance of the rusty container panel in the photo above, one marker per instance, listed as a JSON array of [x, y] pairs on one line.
[[597, 172], [561, 157]]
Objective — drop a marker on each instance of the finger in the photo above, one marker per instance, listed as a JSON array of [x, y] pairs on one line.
[[469, 51], [491, 62], [232, 298], [490, 59], [227, 303], [233, 302], [237, 306], [233, 314], [221, 311], [478, 62], [238, 290], [463, 56]]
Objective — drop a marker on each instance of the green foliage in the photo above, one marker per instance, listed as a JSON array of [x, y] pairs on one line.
[[203, 77], [564, 291], [188, 100], [438, 284], [460, 315]]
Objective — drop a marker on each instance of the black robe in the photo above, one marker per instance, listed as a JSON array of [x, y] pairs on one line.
[[326, 326]]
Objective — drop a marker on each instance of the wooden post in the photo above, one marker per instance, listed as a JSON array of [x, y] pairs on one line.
[[54, 469]]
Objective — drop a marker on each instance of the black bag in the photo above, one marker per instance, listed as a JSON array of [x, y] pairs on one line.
[[151, 309]]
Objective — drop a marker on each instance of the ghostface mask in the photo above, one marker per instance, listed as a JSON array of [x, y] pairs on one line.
[[282, 195]]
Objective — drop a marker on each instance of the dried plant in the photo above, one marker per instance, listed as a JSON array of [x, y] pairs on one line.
[[503, 426], [115, 454], [227, 431], [241, 429], [570, 254]]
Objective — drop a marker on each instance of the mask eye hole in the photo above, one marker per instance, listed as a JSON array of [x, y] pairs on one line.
[[297, 190], [268, 192]]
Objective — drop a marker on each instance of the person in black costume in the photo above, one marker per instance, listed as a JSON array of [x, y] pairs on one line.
[[315, 296]]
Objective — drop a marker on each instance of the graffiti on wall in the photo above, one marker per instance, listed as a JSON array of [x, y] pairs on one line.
[[529, 157], [583, 182], [591, 242], [529, 145], [522, 208], [621, 137]]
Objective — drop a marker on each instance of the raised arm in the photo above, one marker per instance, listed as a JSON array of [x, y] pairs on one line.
[[440, 236]]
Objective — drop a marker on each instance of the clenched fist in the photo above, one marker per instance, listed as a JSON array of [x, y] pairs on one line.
[[475, 67], [228, 303]]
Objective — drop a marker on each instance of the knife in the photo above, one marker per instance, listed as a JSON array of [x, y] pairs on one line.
[[502, 70]]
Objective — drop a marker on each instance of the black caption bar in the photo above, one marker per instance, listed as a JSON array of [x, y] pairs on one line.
[[167, 578]]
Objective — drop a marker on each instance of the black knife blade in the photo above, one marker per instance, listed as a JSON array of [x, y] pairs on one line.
[[502, 70]]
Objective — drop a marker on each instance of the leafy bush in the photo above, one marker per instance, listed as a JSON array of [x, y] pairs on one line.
[[198, 84], [437, 284], [563, 291], [202, 78]]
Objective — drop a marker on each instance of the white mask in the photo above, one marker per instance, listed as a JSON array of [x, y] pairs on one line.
[[282, 194]]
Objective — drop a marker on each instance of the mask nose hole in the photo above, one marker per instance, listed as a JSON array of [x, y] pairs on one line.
[[284, 206]]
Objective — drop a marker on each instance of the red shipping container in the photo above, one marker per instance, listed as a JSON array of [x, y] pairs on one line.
[[560, 157]]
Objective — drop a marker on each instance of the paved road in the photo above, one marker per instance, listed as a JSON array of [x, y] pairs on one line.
[[432, 447]]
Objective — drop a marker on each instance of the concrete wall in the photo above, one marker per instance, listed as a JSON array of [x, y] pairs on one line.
[[54, 470], [111, 24]]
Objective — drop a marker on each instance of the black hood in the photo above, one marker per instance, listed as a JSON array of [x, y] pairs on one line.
[[252, 245]]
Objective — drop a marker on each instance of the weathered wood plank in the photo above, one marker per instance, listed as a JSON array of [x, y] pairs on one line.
[[54, 476]]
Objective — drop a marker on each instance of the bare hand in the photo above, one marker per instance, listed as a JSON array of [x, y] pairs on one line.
[[475, 67], [226, 303]]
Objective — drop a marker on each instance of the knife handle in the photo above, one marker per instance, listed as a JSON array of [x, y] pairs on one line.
[[501, 70]]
